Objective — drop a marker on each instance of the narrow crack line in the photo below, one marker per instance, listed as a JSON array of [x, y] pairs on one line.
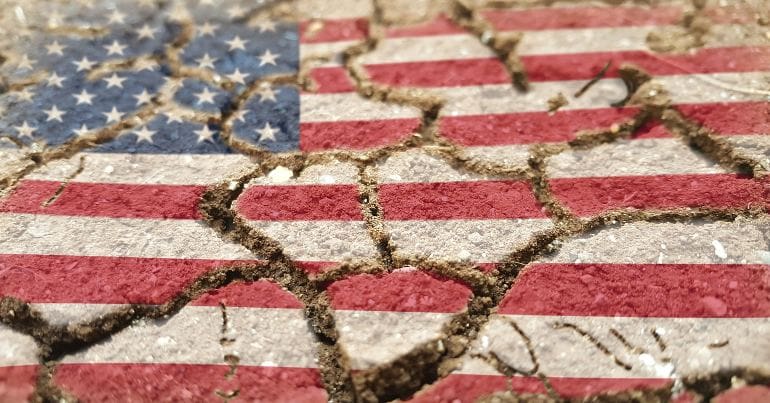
[[658, 339], [622, 339], [67, 180], [503, 45], [231, 358], [502, 366], [373, 213], [234, 110], [593, 340]]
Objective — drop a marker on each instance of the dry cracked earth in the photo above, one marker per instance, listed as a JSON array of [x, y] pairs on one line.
[[388, 200]]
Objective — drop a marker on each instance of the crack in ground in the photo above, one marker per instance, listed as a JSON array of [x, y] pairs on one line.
[[434, 358]]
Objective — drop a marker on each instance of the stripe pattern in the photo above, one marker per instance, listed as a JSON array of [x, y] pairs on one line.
[[264, 349], [127, 232], [601, 317]]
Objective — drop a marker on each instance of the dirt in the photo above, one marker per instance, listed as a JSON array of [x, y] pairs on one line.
[[431, 361]]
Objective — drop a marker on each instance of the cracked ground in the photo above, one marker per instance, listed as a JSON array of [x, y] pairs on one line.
[[361, 200]]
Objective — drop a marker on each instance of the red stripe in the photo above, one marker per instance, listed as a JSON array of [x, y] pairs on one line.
[[331, 80], [105, 200], [355, 135], [17, 382], [414, 291], [581, 17], [562, 67], [504, 20], [468, 388], [300, 202], [459, 200], [257, 294], [744, 394], [188, 382], [127, 280], [99, 279], [641, 290], [525, 20], [333, 30], [589, 196], [733, 118], [528, 127]]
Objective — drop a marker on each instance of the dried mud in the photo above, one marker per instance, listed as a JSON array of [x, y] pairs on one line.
[[431, 361]]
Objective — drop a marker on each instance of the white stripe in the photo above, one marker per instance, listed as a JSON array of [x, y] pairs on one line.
[[542, 42], [339, 9], [503, 98], [753, 146], [63, 314], [372, 338], [565, 353], [177, 169], [326, 49], [696, 88], [12, 161], [322, 174], [743, 240], [16, 348], [632, 157], [350, 106], [716, 87], [98, 236], [514, 155], [263, 337], [474, 240], [325, 241], [417, 166]]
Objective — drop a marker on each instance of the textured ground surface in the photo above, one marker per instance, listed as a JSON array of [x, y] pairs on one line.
[[372, 201]]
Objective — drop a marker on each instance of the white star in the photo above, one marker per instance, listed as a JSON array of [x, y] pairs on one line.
[[55, 49], [204, 134], [54, 114], [268, 58], [143, 98], [239, 115], [205, 96], [238, 77], [267, 132], [172, 116], [207, 29], [116, 17], [236, 12], [266, 25], [82, 131], [114, 81], [113, 115], [84, 64], [146, 32], [267, 94], [237, 43], [84, 97], [55, 81], [144, 134], [24, 130], [115, 48], [25, 94], [206, 61], [25, 62]]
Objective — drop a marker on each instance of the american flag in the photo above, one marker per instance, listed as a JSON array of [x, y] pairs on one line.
[[119, 223]]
